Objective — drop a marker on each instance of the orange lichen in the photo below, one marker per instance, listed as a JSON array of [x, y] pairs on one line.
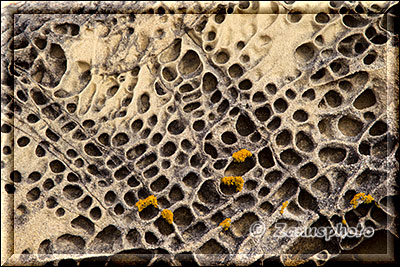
[[368, 199], [225, 224], [354, 201], [241, 155], [144, 203], [365, 198], [284, 205], [168, 216], [234, 180]]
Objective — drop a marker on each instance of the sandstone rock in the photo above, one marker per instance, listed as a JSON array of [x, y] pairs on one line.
[[107, 103]]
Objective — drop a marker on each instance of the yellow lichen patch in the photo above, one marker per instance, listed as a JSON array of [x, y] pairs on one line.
[[144, 203], [365, 198], [368, 199], [241, 155], [234, 180], [225, 224], [355, 199], [168, 216], [284, 205]]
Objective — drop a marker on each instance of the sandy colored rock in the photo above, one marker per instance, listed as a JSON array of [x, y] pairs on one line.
[[105, 104]]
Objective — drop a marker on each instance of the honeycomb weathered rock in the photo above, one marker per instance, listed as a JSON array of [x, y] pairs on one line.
[[105, 104]]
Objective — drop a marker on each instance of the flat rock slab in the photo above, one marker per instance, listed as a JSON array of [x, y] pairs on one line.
[[105, 104]]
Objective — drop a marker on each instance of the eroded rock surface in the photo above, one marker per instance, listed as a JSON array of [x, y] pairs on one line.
[[104, 104]]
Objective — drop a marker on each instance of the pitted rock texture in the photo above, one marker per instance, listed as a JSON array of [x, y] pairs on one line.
[[104, 104]]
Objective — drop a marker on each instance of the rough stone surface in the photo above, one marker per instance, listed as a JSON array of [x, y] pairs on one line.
[[107, 103]]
